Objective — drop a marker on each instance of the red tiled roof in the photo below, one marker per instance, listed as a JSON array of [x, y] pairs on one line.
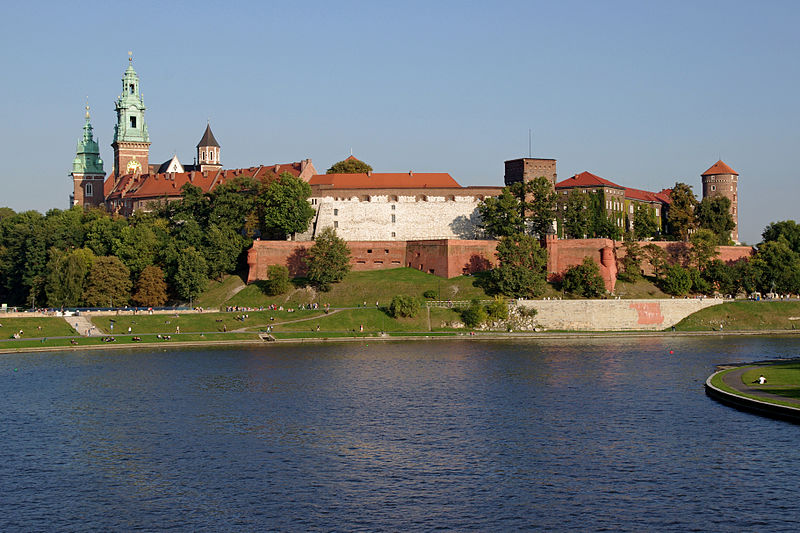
[[643, 196], [665, 195], [719, 168], [586, 179], [169, 184], [384, 180]]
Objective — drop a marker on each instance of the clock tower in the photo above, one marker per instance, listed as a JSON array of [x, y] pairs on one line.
[[131, 141]]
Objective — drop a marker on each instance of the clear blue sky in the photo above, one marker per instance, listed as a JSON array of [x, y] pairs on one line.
[[642, 93]]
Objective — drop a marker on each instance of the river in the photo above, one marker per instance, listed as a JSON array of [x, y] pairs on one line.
[[586, 435]]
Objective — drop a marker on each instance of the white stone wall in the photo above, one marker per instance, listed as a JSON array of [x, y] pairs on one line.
[[614, 315], [370, 217]]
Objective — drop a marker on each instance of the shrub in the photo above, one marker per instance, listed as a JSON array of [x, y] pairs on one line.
[[404, 306], [584, 279], [429, 294], [278, 280], [677, 280], [498, 309], [474, 315]]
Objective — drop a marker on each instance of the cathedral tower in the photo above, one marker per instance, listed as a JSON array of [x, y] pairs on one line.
[[722, 180], [87, 170], [131, 141], [208, 152]]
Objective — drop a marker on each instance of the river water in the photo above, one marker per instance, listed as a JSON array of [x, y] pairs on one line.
[[586, 435]]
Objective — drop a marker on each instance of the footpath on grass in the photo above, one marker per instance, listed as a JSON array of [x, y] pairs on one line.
[[738, 387]]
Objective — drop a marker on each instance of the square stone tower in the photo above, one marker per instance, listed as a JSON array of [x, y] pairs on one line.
[[527, 168]]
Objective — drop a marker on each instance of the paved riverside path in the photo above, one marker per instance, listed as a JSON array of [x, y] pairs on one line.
[[83, 326], [734, 380]]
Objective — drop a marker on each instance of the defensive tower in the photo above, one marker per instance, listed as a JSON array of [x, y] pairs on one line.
[[722, 180]]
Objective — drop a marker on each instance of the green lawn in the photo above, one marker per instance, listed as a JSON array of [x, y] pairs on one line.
[[195, 322], [370, 287], [217, 291], [783, 379], [373, 320], [743, 316], [642, 289], [126, 340], [35, 327]]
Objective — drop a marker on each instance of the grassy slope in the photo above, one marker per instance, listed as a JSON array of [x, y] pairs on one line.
[[50, 327], [742, 316], [372, 286], [195, 323], [783, 379], [217, 291], [644, 288]]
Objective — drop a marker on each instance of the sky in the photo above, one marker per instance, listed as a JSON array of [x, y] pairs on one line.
[[642, 93]]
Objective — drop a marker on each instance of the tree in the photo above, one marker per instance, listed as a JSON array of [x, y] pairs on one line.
[[231, 202], [723, 276], [223, 247], [645, 224], [109, 283], [277, 280], [584, 279], [681, 214], [404, 306], [631, 263], [474, 315], [657, 258], [500, 215], [777, 267], [351, 165], [136, 246], [190, 276], [677, 280], [521, 272], [328, 260], [704, 248], [497, 309], [66, 276], [786, 229], [151, 289], [539, 203], [284, 207], [714, 214], [576, 214]]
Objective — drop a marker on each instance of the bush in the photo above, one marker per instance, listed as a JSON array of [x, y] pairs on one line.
[[584, 280], [404, 306], [474, 315], [278, 282], [429, 294], [498, 309], [677, 281]]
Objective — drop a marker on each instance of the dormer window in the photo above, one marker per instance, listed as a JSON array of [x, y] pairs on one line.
[[133, 122]]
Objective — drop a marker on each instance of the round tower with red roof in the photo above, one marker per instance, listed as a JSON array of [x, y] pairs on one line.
[[722, 180]]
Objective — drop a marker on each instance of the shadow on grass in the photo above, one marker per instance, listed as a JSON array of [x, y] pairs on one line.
[[793, 393]]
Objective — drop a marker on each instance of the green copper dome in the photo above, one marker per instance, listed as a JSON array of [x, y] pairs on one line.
[[130, 126], [87, 155]]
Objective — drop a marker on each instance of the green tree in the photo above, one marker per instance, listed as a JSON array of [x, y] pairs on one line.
[[677, 280], [704, 248], [723, 276], [584, 279], [657, 258], [223, 247], [151, 289], [109, 283], [232, 202], [576, 215], [501, 215], [328, 260], [645, 223], [521, 272], [789, 230], [277, 280], [681, 213], [497, 309], [190, 275], [538, 199], [23, 239], [351, 165], [714, 214], [137, 246], [67, 273], [404, 306], [284, 207], [777, 267], [630, 266]]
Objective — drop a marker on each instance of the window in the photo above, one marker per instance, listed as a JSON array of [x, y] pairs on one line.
[[369, 251], [335, 212], [394, 234], [130, 89], [133, 122], [393, 218], [713, 187], [203, 155], [393, 206], [89, 189], [335, 223], [386, 250]]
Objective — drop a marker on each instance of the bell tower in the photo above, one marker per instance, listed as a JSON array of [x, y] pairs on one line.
[[87, 170], [208, 152], [131, 141]]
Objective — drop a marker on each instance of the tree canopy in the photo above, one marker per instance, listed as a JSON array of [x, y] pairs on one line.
[[351, 165], [328, 260], [523, 207], [521, 272], [714, 214], [681, 213]]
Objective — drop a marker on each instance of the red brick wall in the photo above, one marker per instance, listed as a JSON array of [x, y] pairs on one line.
[[563, 254], [678, 253], [449, 258]]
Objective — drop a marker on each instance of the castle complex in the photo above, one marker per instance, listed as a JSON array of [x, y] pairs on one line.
[[395, 212]]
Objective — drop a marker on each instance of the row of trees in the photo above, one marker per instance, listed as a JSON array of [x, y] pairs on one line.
[[531, 208]]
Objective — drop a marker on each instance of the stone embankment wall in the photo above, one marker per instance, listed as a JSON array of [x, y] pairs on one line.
[[614, 315]]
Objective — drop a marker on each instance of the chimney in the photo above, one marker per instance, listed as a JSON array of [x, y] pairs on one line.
[[410, 173], [369, 173]]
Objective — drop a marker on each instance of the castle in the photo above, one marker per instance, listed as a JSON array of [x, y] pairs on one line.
[[416, 219]]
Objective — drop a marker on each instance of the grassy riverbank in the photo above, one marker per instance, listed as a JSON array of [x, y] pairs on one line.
[[744, 316]]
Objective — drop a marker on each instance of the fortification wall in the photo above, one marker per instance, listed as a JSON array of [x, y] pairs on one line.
[[614, 315]]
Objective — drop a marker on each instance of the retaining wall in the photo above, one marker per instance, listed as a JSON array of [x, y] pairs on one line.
[[614, 315]]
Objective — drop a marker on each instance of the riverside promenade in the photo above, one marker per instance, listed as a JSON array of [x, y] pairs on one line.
[[754, 399]]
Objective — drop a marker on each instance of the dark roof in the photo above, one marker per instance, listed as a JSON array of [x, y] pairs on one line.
[[208, 138]]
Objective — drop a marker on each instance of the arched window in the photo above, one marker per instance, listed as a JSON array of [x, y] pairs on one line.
[[133, 122], [89, 190]]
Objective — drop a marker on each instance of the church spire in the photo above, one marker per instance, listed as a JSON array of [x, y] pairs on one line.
[[131, 140], [87, 168]]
